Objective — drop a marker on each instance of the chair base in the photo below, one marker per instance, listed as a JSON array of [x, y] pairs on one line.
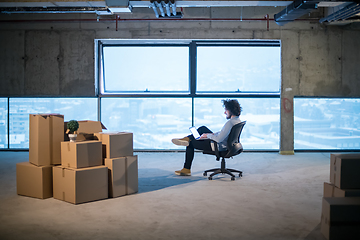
[[222, 170]]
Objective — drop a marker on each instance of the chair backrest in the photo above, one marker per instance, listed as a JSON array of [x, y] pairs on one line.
[[234, 146]]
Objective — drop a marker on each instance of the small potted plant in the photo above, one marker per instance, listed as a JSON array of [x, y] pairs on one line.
[[72, 127]]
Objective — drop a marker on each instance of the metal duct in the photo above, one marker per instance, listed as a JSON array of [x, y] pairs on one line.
[[97, 10], [118, 6], [295, 10], [343, 14], [168, 5]]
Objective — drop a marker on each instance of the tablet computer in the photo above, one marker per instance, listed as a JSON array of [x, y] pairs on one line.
[[194, 132]]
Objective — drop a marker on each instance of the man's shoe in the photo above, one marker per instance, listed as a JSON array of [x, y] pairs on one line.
[[181, 141], [183, 172]]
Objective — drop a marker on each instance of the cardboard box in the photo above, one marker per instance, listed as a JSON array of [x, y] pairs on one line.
[[117, 176], [119, 144], [344, 170], [45, 137], [86, 130], [34, 181], [81, 154], [123, 175], [80, 185], [340, 218], [330, 190], [132, 181]]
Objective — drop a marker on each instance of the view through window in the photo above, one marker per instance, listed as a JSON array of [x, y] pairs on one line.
[[20, 108], [146, 69], [238, 69], [326, 123]]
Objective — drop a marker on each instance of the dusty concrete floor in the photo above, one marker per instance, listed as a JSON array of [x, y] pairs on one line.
[[279, 197]]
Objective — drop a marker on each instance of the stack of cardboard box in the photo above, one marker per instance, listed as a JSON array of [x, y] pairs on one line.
[[34, 178], [122, 164], [340, 218], [97, 166], [81, 177]]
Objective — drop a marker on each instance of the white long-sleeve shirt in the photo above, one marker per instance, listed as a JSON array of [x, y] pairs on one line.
[[222, 136]]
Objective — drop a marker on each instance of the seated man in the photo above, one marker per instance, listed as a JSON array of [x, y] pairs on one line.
[[232, 112]]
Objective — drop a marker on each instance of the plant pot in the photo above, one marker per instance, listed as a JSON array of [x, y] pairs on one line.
[[72, 137]]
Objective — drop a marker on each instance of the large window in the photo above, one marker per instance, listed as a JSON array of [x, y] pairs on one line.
[[20, 108], [3, 122], [146, 69], [238, 69], [326, 123], [157, 89]]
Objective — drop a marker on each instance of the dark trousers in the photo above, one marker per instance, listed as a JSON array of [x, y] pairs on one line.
[[196, 144]]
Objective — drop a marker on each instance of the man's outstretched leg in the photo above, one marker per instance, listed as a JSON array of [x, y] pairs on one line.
[[191, 143], [185, 140], [181, 141]]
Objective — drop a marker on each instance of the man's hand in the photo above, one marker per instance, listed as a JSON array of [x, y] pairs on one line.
[[203, 136]]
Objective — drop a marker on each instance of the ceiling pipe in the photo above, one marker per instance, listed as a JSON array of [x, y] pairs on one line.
[[153, 19], [15, 10], [117, 18], [348, 11]]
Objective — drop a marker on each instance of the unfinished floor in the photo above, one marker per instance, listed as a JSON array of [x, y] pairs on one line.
[[279, 197]]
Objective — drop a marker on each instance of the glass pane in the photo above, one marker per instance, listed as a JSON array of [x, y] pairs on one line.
[[3, 123], [71, 108], [153, 121], [244, 69], [146, 69], [326, 123], [262, 116]]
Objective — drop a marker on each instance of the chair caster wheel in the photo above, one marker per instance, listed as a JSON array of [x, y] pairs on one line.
[[232, 178], [210, 178], [204, 174]]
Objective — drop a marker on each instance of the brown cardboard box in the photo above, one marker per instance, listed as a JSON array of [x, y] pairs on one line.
[[81, 154], [45, 136], [119, 144], [344, 170], [330, 190], [80, 185], [86, 130], [132, 181], [123, 178], [340, 218], [117, 176], [34, 181]]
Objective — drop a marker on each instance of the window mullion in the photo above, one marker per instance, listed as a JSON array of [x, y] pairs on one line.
[[192, 68]]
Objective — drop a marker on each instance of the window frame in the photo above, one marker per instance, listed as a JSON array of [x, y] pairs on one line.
[[192, 44], [103, 82], [193, 93]]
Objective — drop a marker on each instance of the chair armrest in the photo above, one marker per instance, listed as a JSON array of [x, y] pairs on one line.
[[216, 151]]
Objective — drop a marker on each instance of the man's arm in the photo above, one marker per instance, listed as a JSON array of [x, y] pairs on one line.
[[219, 136]]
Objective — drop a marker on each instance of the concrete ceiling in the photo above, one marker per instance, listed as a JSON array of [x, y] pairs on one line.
[[102, 7], [146, 3]]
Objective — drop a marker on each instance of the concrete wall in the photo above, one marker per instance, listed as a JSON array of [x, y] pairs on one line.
[[56, 58]]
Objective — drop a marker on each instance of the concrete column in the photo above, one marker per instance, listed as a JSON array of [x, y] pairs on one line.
[[289, 87]]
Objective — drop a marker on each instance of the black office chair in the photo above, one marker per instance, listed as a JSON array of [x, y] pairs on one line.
[[234, 147]]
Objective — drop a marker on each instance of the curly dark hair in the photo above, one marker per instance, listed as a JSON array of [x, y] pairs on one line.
[[233, 106]]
